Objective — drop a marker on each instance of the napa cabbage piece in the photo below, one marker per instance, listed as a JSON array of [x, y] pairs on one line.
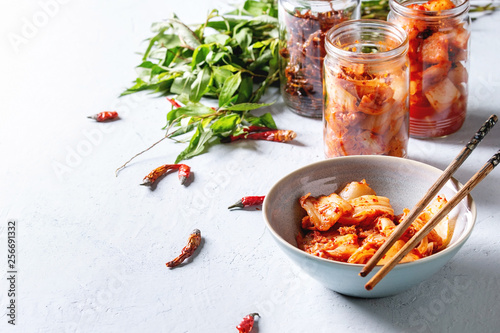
[[367, 207], [363, 106], [356, 189], [352, 225], [325, 211], [443, 95]]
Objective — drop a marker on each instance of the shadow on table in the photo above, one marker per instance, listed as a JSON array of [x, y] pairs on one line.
[[429, 150], [462, 297], [463, 136]]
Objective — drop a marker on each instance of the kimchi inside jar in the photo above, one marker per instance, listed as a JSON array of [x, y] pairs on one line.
[[303, 26], [366, 90], [438, 32]]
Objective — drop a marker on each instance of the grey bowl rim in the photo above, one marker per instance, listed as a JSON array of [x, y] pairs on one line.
[[454, 247]]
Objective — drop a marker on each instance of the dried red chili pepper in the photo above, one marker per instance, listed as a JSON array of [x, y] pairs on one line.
[[104, 116], [173, 102], [248, 202], [254, 128], [152, 177], [272, 135], [188, 250], [246, 324]]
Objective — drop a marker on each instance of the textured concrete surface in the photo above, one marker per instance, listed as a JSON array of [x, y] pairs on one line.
[[92, 247]]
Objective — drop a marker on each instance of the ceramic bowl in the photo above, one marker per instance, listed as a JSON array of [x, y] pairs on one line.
[[403, 181]]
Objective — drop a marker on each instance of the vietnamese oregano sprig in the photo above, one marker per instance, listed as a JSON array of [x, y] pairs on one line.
[[232, 58], [210, 125]]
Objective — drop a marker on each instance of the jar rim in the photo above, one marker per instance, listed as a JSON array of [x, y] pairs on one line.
[[399, 8], [321, 1], [388, 27], [319, 5]]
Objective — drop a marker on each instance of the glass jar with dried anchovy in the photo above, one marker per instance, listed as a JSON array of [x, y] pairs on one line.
[[303, 26], [366, 79]]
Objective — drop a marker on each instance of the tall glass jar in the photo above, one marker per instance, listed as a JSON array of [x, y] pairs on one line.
[[303, 26], [439, 35], [366, 89]]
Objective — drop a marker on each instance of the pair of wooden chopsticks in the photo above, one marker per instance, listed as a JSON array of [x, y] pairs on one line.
[[419, 207]]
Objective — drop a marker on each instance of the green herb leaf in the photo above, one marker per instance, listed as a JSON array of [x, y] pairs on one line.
[[225, 124], [256, 8], [220, 39], [220, 76], [246, 106], [183, 84], [138, 86], [267, 120], [246, 89], [199, 55], [233, 68], [198, 144], [229, 89], [244, 39], [200, 85], [187, 37], [262, 61], [195, 110]]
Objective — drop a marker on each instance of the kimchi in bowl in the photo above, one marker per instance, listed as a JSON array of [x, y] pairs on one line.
[[403, 181]]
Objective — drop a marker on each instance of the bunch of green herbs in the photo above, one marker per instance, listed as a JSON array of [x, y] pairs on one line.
[[232, 58]]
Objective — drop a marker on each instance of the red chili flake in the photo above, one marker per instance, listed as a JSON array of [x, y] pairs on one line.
[[174, 102], [104, 116], [246, 324], [152, 177], [248, 202], [188, 250]]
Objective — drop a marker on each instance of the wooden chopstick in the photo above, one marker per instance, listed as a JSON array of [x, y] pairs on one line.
[[462, 193], [431, 193]]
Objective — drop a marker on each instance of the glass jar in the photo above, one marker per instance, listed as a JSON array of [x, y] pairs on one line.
[[439, 35], [366, 79], [303, 26]]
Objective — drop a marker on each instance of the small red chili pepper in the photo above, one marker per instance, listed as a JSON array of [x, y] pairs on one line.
[[173, 102], [104, 116], [188, 250], [272, 135], [246, 324], [246, 130], [152, 177], [248, 202]]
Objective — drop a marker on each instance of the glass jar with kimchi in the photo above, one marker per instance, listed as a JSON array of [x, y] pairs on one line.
[[303, 26], [366, 90], [439, 33]]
